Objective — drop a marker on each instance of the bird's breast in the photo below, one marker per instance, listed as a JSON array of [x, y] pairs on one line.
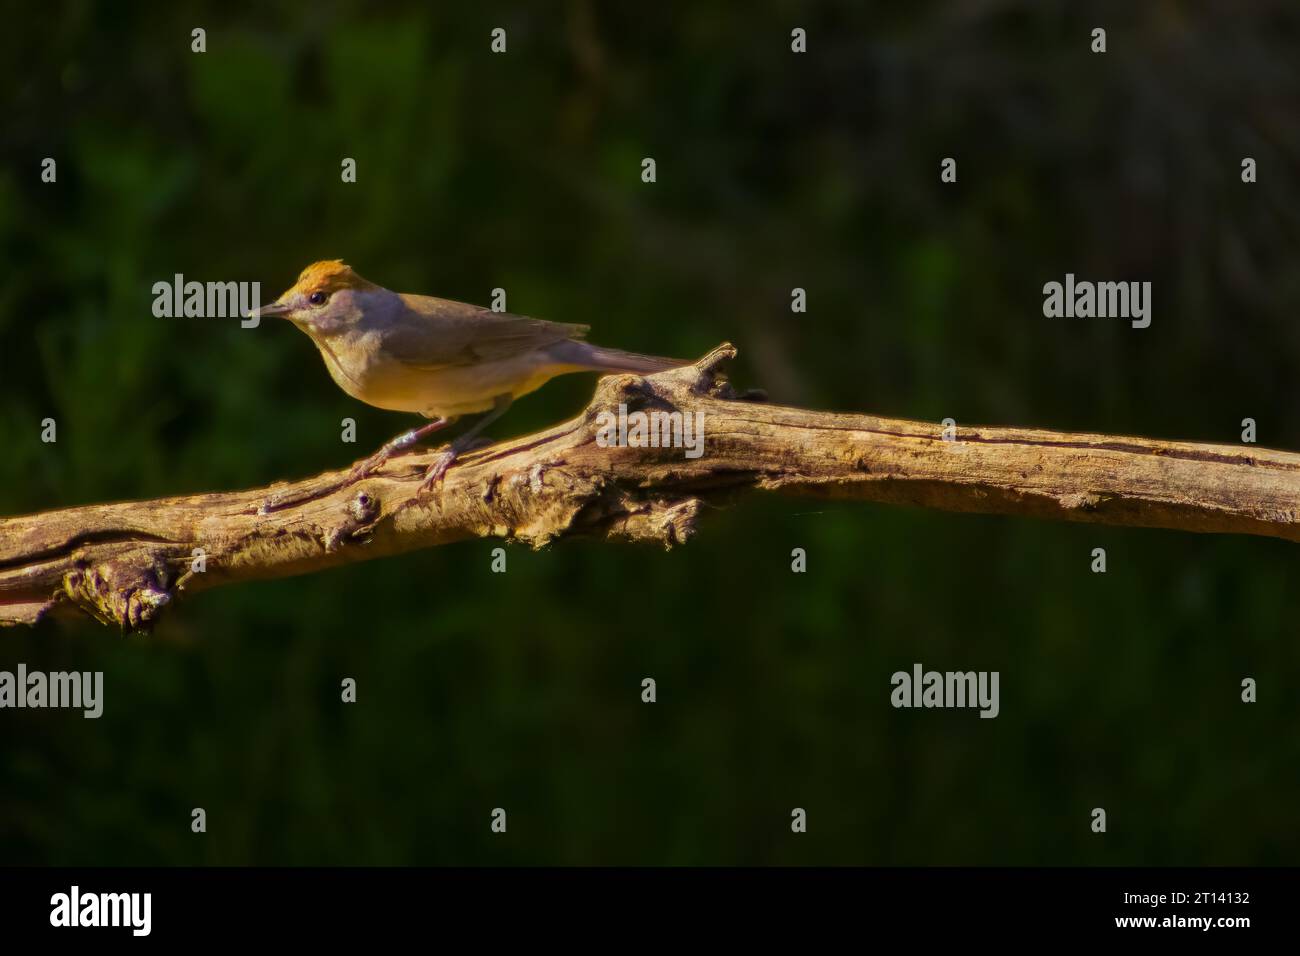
[[359, 367]]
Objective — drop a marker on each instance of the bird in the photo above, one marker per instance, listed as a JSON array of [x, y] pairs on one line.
[[435, 357]]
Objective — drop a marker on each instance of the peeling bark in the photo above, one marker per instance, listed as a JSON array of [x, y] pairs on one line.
[[124, 563]]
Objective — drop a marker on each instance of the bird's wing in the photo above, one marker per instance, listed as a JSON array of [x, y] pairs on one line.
[[437, 333]]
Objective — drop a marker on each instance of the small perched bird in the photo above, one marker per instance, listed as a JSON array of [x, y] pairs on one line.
[[434, 357]]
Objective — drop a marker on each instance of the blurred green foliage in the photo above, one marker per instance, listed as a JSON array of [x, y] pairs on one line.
[[521, 690]]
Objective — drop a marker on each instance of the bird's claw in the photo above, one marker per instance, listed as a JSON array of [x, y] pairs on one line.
[[367, 467], [433, 477]]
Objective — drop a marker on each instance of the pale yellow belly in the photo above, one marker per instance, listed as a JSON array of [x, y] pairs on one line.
[[450, 391]]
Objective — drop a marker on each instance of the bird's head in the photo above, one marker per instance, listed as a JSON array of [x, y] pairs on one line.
[[327, 297]]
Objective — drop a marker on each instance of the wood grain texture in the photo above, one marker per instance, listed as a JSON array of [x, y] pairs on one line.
[[124, 563]]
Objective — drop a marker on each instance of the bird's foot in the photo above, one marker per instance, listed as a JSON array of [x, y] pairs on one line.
[[446, 458], [433, 477], [368, 466]]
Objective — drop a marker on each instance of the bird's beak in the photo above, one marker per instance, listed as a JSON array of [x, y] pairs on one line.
[[273, 310]]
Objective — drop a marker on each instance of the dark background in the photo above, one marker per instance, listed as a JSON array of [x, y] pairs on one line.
[[478, 690]]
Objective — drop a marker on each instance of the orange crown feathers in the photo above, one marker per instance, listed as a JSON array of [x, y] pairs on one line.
[[330, 275]]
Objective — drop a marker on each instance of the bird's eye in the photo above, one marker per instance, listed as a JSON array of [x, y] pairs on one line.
[[317, 298]]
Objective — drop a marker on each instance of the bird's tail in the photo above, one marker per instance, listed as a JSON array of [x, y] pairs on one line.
[[600, 359]]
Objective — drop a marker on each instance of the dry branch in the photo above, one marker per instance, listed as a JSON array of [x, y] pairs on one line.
[[124, 562]]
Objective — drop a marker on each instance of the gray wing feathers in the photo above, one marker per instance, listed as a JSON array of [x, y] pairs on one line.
[[436, 333]]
